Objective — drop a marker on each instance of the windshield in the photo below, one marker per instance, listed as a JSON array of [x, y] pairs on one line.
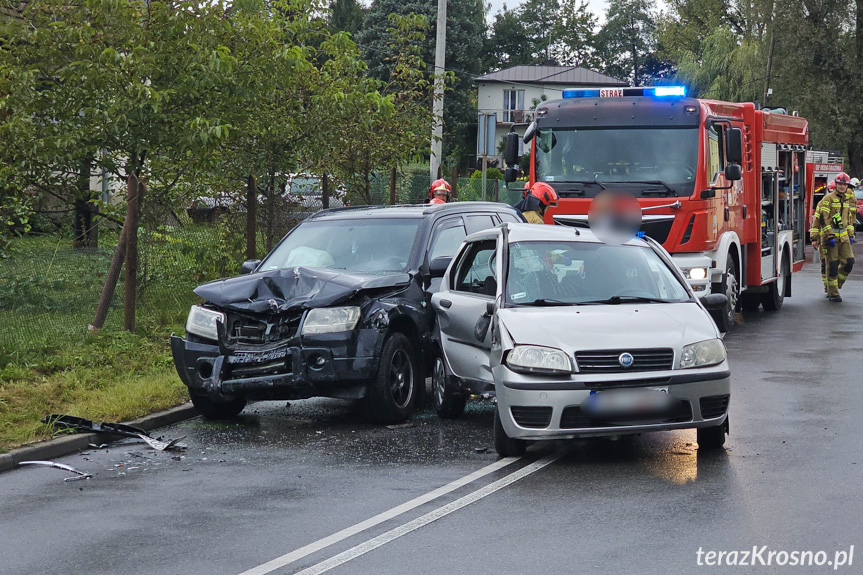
[[572, 273], [367, 245], [657, 157]]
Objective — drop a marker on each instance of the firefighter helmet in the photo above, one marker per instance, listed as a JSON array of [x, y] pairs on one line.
[[439, 186], [855, 182], [842, 178], [526, 191], [544, 193]]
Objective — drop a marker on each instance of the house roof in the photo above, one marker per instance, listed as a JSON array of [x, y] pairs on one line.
[[570, 75]]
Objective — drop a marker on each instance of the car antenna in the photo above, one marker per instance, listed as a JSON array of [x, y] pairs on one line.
[[578, 233]]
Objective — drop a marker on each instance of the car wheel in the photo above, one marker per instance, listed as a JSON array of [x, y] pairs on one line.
[[214, 409], [447, 404], [731, 288], [393, 392], [712, 437], [775, 296], [505, 445]]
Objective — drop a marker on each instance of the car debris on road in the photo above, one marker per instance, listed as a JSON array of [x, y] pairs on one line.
[[80, 424], [63, 466]]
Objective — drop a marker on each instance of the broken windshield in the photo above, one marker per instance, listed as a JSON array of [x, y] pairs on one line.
[[638, 159], [367, 245]]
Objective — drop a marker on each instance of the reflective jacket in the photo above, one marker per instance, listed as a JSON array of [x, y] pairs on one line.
[[533, 217], [831, 219]]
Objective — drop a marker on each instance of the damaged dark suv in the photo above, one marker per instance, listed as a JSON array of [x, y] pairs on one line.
[[339, 308]]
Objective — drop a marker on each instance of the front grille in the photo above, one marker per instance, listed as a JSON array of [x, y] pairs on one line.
[[531, 416], [245, 329], [657, 229], [713, 406], [608, 361], [573, 418]]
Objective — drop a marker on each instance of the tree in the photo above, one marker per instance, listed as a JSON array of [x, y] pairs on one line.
[[346, 16], [129, 84], [465, 30], [506, 43], [627, 41], [576, 39]]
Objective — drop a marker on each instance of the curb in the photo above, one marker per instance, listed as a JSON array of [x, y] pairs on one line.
[[69, 444]]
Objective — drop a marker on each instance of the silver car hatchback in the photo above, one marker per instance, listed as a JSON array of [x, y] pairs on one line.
[[579, 338]]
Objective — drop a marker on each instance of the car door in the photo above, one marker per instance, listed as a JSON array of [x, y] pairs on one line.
[[471, 285], [445, 240]]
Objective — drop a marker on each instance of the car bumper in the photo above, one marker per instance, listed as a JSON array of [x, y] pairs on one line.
[[536, 409], [331, 365]]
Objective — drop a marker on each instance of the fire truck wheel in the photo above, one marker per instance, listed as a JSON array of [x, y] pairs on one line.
[[775, 296], [730, 286]]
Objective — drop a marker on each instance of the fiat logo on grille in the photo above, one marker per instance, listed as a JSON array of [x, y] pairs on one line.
[[625, 360]]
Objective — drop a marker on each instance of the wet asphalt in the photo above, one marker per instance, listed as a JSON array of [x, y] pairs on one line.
[[284, 476]]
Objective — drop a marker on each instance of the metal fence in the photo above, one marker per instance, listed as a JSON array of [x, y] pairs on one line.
[[49, 290]]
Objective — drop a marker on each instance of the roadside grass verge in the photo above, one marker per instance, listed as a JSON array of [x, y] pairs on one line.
[[50, 363], [107, 377]]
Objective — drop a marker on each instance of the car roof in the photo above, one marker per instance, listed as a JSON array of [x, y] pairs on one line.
[[534, 232], [408, 210]]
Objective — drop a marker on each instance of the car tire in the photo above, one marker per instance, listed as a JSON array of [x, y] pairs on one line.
[[730, 286], [393, 391], [211, 408], [447, 403], [775, 296], [505, 445], [712, 437]]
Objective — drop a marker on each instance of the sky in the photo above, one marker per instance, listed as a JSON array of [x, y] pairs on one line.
[[596, 6]]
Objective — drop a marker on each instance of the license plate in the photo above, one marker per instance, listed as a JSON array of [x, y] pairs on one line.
[[627, 401], [245, 357]]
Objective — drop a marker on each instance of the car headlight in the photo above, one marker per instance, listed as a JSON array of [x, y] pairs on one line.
[[696, 274], [703, 353], [331, 320], [202, 322], [536, 359]]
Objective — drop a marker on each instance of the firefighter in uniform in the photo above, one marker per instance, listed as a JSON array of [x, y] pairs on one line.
[[830, 232], [439, 192], [831, 186], [534, 203]]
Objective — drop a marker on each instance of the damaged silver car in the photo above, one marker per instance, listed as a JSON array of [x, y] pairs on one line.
[[339, 308], [579, 338]]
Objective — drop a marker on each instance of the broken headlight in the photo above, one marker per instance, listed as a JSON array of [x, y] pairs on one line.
[[202, 322], [703, 353], [537, 359], [331, 320]]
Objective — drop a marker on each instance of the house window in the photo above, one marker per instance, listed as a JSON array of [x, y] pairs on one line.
[[513, 106]]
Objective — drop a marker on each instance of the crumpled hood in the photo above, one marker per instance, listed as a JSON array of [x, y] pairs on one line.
[[293, 288], [609, 326]]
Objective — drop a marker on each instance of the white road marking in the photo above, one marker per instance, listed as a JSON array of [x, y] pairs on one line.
[[293, 556], [397, 532]]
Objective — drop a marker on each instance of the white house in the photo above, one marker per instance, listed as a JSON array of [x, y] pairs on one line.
[[513, 93]]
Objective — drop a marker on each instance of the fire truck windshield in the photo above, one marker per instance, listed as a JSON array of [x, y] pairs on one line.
[[646, 161]]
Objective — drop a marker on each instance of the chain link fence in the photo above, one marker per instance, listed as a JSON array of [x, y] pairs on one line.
[[49, 290]]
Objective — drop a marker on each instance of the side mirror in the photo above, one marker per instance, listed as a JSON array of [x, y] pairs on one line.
[[438, 266], [510, 155], [249, 266], [529, 133], [511, 174], [733, 172], [714, 301], [734, 145], [708, 194]]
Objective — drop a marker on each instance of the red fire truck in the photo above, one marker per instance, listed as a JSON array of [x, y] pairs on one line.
[[821, 169], [721, 185]]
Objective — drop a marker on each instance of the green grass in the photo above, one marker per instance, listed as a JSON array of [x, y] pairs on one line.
[[49, 363]]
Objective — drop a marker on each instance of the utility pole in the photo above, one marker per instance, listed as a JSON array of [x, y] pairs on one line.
[[439, 66]]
